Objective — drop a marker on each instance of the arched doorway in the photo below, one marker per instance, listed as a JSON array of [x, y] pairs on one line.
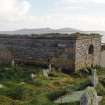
[[91, 49], [91, 54]]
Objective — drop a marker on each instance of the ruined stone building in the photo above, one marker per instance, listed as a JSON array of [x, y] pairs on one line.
[[69, 52]]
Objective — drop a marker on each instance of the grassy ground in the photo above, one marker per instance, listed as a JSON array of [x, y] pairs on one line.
[[17, 87]]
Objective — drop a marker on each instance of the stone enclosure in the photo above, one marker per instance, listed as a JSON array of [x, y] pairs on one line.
[[64, 51]]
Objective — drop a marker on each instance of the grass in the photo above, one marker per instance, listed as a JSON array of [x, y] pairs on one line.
[[19, 89]]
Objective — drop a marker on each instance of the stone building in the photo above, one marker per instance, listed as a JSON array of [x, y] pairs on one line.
[[68, 52], [102, 55]]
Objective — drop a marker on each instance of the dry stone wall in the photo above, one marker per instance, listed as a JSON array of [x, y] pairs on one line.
[[103, 58], [69, 52], [59, 51], [85, 59]]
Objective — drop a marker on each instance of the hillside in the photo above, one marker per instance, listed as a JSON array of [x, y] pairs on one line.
[[18, 88], [40, 31], [49, 30]]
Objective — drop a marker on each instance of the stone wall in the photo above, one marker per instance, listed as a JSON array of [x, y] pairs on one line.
[[102, 58], [67, 52], [24, 49], [83, 58]]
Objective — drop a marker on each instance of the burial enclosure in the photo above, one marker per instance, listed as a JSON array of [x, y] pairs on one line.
[[68, 52]]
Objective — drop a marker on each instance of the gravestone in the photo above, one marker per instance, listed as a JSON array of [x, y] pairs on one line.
[[33, 76], [1, 86], [94, 79], [45, 72], [12, 63], [89, 97], [50, 67], [22, 83]]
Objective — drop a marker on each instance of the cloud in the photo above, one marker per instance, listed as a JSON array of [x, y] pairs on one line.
[[13, 12], [80, 6], [99, 1], [11, 9], [80, 14]]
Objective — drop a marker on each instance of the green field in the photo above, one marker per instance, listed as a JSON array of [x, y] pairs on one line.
[[18, 88]]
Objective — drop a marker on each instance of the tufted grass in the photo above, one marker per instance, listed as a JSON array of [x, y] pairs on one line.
[[19, 89]]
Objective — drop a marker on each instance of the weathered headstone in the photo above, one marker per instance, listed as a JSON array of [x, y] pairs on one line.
[[89, 97], [22, 83], [50, 67], [33, 76], [12, 63], [45, 73], [1, 85], [94, 79]]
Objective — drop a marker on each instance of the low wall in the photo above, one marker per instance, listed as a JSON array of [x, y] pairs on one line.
[[102, 63]]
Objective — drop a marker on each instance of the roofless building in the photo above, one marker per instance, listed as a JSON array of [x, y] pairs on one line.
[[68, 52]]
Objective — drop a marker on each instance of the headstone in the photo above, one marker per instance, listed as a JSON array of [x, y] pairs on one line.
[[45, 72], [33, 76], [94, 79], [89, 97], [7, 68], [13, 63], [1, 86], [22, 83], [50, 68]]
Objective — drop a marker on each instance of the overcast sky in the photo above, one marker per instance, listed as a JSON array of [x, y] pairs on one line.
[[80, 14]]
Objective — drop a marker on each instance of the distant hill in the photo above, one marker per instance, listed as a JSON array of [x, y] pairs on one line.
[[40, 31], [49, 30]]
